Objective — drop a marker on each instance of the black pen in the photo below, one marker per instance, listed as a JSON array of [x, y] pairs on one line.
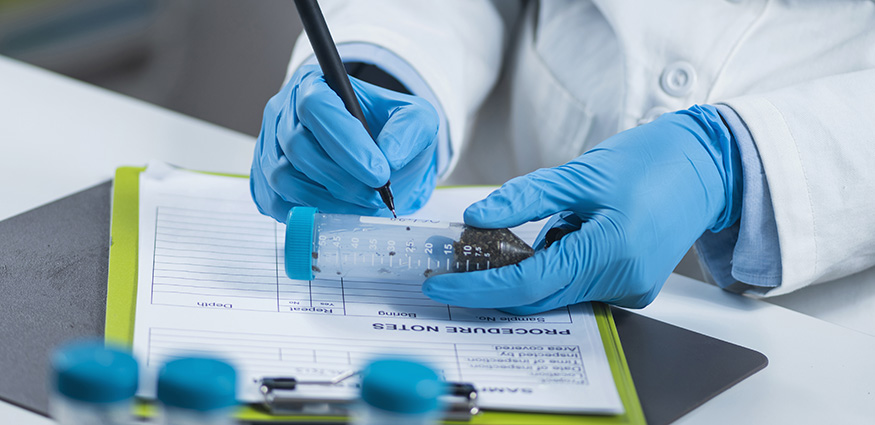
[[335, 73]]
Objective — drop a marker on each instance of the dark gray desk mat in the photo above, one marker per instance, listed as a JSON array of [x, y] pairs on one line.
[[53, 268], [53, 273], [676, 370]]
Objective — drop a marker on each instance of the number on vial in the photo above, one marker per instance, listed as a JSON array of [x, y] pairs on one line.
[[448, 248], [372, 244], [429, 248], [409, 246], [354, 242]]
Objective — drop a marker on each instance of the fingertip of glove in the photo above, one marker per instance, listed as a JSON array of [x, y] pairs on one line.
[[397, 155], [377, 172], [487, 214], [473, 215], [404, 142], [426, 116], [484, 211], [428, 287], [521, 310], [432, 289]]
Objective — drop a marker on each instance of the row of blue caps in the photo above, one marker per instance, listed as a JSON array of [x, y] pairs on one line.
[[94, 373]]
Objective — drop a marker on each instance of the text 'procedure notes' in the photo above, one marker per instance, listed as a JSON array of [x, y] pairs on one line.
[[212, 282]]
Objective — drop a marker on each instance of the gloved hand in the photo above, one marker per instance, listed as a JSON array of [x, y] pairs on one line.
[[635, 203], [311, 151]]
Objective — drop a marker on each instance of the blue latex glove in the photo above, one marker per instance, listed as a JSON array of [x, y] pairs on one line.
[[635, 205], [311, 151]]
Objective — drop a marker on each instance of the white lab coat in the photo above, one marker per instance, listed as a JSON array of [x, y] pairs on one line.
[[544, 88]]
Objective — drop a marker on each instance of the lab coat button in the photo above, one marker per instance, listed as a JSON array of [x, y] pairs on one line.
[[653, 114], [678, 79]]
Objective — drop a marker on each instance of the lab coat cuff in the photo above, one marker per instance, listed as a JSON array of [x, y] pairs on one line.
[[745, 257], [402, 71]]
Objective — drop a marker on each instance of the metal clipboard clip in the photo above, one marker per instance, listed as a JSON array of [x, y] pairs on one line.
[[288, 396]]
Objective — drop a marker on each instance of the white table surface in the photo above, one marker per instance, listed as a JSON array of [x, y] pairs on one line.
[[59, 136]]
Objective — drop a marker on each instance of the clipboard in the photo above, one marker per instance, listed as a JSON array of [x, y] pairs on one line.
[[121, 312]]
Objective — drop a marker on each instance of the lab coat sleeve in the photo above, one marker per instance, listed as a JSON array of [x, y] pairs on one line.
[[745, 257], [452, 49], [816, 143]]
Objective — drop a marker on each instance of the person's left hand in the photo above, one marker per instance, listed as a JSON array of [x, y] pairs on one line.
[[631, 208]]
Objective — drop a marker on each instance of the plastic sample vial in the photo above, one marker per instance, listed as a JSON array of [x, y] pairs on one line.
[[92, 384], [398, 392], [197, 391], [352, 246]]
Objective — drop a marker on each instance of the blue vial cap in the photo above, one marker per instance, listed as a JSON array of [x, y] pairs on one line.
[[299, 243], [195, 383], [90, 372], [401, 386]]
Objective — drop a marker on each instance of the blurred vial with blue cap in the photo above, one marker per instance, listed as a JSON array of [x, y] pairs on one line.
[[92, 384], [399, 391], [197, 391]]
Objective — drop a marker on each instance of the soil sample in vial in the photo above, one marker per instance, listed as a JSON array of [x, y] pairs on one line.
[[481, 249]]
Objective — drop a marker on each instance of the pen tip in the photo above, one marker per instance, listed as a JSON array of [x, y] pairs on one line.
[[393, 213]]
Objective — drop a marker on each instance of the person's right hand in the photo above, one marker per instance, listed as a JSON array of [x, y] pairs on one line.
[[312, 152]]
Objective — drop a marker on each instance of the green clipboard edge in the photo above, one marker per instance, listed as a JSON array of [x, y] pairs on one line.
[[121, 290], [121, 301]]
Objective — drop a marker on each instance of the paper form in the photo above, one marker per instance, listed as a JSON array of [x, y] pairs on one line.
[[211, 282]]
